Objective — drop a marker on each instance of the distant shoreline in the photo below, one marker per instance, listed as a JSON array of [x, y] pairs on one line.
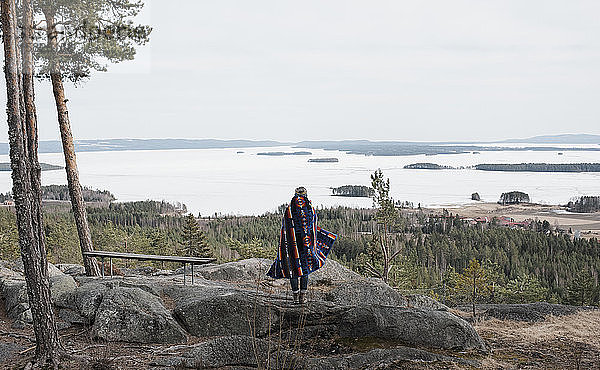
[[361, 147], [514, 167], [5, 167]]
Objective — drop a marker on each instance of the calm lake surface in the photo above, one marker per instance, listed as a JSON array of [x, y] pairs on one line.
[[228, 182]]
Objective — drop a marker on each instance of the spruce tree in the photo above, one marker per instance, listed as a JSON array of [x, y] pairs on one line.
[[194, 240], [581, 290]]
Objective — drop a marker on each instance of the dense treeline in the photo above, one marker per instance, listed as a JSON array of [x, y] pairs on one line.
[[585, 204], [61, 192], [540, 167], [434, 249], [521, 265], [136, 227]]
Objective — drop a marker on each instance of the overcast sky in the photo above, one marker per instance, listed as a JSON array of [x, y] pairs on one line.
[[344, 69]]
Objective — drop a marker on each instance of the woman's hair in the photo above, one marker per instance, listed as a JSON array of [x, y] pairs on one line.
[[301, 190]]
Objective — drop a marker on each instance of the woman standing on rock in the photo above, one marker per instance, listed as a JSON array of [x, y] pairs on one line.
[[303, 247]]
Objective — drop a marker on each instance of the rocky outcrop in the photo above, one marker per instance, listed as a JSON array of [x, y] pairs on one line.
[[332, 273], [254, 270], [366, 292], [433, 329], [531, 312], [475, 196], [385, 358], [159, 309], [61, 286], [425, 302], [133, 315], [17, 266], [84, 300], [16, 302], [14, 291], [71, 269], [248, 271], [229, 312], [229, 351]]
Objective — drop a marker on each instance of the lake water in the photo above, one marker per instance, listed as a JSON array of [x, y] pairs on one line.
[[228, 182]]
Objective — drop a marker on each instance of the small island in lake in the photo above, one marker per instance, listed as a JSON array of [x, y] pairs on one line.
[[353, 191], [427, 166], [276, 154], [44, 166], [514, 197], [324, 160]]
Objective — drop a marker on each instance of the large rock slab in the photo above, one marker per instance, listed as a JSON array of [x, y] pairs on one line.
[[248, 352], [209, 312], [248, 270], [425, 302], [17, 266], [531, 312], [133, 315], [366, 292], [333, 272], [254, 270], [229, 351], [71, 269], [414, 327], [225, 312], [385, 358], [16, 301], [61, 286], [84, 300]]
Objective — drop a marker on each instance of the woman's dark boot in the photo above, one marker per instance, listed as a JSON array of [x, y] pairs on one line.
[[296, 295], [302, 297]]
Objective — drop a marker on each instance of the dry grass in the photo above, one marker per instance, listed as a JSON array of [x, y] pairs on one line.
[[581, 327], [570, 342]]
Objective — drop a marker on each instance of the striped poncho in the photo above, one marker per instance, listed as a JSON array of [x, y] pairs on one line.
[[303, 246]]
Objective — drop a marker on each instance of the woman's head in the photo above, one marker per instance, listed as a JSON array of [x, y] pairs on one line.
[[301, 190]]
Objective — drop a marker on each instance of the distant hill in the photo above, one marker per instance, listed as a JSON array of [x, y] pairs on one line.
[[148, 144], [558, 139], [45, 167], [366, 147]]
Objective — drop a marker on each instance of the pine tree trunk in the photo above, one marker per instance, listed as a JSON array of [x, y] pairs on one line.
[[75, 190], [22, 130]]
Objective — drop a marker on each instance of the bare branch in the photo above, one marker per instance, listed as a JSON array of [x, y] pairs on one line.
[[374, 271]]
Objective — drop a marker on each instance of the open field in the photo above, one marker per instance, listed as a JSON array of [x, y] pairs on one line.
[[587, 223]]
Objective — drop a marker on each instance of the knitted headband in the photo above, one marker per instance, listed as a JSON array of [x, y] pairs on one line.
[[301, 191]]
